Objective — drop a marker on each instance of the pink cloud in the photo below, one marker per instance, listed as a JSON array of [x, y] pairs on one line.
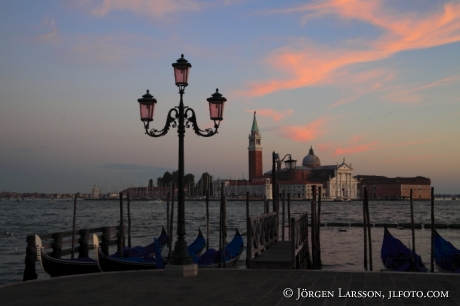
[[305, 64], [274, 114], [357, 148], [412, 95], [415, 158], [304, 133], [157, 8], [52, 31]]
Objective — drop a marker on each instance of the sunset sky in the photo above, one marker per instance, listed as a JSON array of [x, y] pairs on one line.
[[376, 82]]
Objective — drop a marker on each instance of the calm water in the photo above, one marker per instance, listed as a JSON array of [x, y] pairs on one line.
[[341, 251]]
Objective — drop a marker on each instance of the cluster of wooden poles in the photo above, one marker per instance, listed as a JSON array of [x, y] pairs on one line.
[[367, 229], [169, 222]]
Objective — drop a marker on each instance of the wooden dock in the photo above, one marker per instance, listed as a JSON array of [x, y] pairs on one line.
[[278, 256], [265, 251]]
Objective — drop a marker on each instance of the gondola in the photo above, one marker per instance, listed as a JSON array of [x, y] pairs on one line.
[[197, 246], [140, 258], [141, 261], [211, 258], [140, 251], [397, 257], [447, 256], [60, 267]]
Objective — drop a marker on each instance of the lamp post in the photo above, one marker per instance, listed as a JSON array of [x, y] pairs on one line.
[[290, 164], [181, 117]]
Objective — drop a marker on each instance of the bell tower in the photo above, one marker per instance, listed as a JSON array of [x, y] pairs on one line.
[[255, 151]]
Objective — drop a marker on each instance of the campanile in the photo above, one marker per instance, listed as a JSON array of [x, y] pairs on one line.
[[255, 151]]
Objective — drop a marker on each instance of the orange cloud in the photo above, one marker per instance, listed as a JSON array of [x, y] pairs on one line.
[[274, 114], [304, 64], [157, 8], [304, 133]]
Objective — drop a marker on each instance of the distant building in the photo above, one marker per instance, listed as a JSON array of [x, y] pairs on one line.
[[382, 187], [255, 151], [336, 181], [95, 192], [258, 188]]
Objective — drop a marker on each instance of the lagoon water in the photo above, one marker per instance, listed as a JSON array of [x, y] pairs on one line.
[[341, 251]]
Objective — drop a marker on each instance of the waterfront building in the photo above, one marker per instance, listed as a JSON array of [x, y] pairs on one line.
[[257, 188], [336, 181], [95, 192], [382, 187]]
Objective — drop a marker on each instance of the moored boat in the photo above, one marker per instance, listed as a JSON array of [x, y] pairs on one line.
[[144, 261], [232, 252], [142, 258], [60, 267], [447, 256], [397, 257]]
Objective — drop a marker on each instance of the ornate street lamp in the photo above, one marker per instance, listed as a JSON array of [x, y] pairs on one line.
[[181, 117], [290, 164]]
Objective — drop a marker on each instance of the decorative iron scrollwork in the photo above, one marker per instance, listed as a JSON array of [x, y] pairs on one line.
[[170, 122]]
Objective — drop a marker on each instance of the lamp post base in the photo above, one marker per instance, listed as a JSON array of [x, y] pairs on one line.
[[181, 270]]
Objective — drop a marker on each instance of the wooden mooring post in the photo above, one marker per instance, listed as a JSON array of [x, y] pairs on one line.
[[120, 233], [171, 221], [283, 215], [313, 230], [412, 220], [207, 219], [83, 249], [222, 188], [29, 261], [168, 218], [318, 225], [432, 230], [129, 219], [289, 212], [248, 226], [73, 225], [369, 232], [364, 228]]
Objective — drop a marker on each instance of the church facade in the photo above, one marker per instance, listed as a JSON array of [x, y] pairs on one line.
[[336, 181]]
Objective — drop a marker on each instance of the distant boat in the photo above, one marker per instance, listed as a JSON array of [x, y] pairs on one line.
[[157, 201], [341, 229]]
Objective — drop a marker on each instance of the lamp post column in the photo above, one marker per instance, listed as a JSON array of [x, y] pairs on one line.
[[181, 255]]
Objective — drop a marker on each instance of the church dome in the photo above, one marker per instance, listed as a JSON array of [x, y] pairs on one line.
[[311, 160]]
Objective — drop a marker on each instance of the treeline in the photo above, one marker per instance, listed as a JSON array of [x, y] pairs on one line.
[[193, 189]]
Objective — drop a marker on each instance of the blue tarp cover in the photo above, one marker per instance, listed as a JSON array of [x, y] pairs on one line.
[[396, 256], [446, 255]]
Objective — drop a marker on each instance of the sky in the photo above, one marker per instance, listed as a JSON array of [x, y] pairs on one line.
[[376, 82]]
